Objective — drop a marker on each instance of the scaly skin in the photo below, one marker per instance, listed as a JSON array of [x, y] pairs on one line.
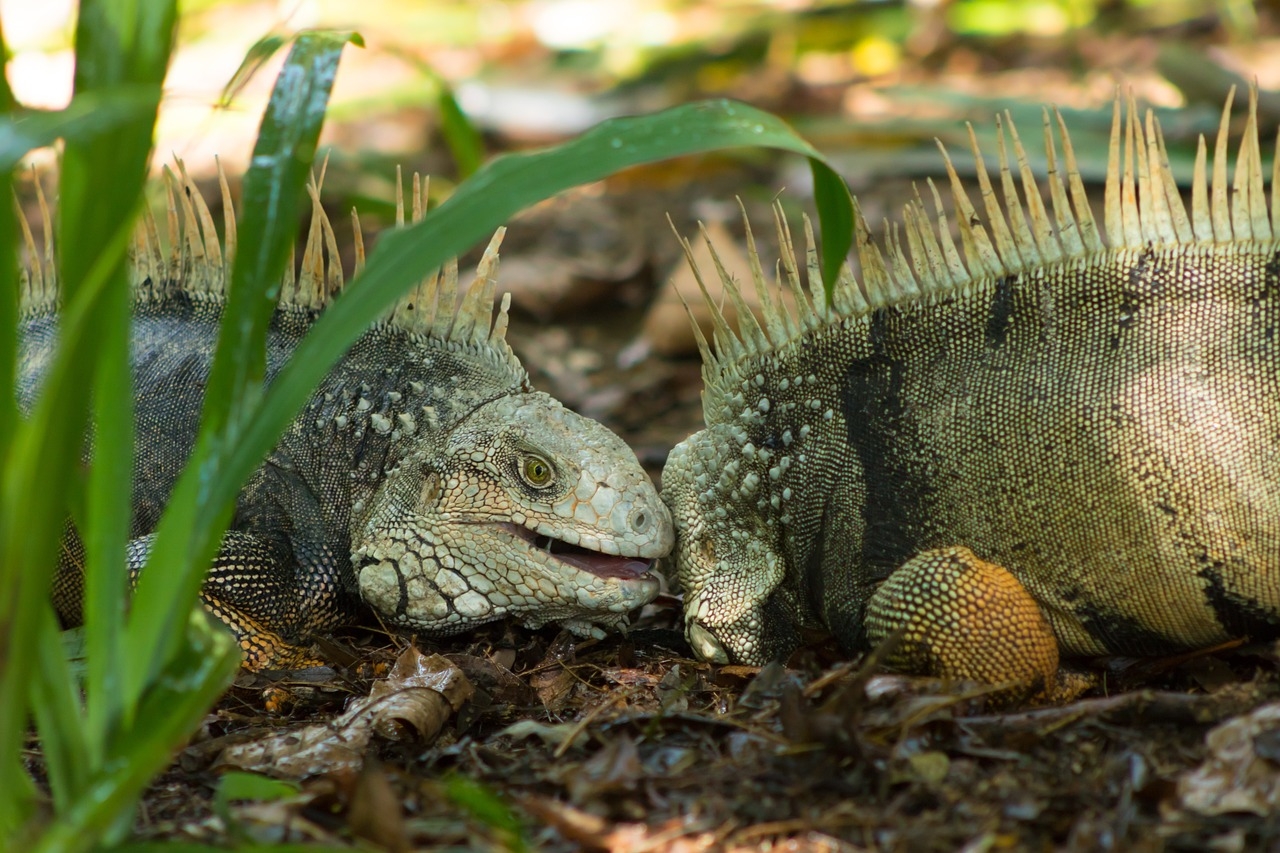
[[461, 550], [425, 481], [1043, 445]]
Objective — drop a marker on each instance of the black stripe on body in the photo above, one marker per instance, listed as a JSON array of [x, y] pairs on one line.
[[1120, 633], [1001, 312], [897, 509], [1239, 616], [1263, 306]]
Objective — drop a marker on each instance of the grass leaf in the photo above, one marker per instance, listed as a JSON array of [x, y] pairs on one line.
[[489, 198], [200, 507]]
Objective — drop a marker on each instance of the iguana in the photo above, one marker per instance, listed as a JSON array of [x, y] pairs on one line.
[[425, 479], [1046, 442]]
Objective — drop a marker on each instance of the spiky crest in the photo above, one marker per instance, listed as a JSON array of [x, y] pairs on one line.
[[193, 259], [1143, 208]]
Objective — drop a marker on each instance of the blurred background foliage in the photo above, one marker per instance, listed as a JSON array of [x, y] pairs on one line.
[[532, 71]]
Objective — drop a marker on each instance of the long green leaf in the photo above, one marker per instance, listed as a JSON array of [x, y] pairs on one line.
[[16, 790], [118, 43], [488, 199], [117, 51], [36, 478], [55, 703], [89, 116], [188, 535], [8, 281], [37, 457], [191, 681]]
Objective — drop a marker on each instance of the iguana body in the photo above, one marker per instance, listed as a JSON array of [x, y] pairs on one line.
[[425, 479], [1038, 442]]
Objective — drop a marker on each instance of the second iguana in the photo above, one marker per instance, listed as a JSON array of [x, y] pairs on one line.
[[1044, 441], [425, 480]]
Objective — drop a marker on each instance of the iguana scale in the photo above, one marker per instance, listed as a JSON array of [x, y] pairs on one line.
[[1046, 441], [425, 479]]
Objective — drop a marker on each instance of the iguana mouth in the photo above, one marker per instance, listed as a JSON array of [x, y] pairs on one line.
[[584, 559]]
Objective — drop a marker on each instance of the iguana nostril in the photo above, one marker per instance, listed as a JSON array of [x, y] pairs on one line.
[[640, 521]]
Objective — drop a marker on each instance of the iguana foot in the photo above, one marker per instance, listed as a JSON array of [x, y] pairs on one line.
[[253, 590], [262, 648], [966, 618]]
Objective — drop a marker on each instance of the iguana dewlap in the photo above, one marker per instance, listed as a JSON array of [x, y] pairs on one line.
[[425, 479], [1038, 442]]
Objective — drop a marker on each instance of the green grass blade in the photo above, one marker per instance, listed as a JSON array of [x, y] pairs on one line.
[[37, 475], [116, 55], [464, 141], [181, 695], [8, 281], [489, 809], [118, 43], [189, 533], [512, 182], [89, 116], [107, 521], [39, 457], [258, 55], [55, 704], [15, 787], [283, 158]]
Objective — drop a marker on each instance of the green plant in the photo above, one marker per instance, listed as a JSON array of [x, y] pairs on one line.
[[152, 668]]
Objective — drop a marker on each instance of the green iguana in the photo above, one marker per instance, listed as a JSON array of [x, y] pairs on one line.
[[1042, 441], [425, 479]]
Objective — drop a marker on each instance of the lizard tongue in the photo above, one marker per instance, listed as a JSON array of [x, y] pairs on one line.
[[593, 562], [604, 565]]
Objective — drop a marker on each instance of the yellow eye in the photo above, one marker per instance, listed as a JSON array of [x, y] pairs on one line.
[[537, 472]]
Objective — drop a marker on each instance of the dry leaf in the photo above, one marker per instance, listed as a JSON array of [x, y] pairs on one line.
[[413, 703], [1237, 776], [376, 813]]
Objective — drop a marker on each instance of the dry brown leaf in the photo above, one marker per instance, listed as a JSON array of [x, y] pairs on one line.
[[376, 813], [1240, 774], [553, 687], [413, 703], [616, 767], [549, 733], [495, 677]]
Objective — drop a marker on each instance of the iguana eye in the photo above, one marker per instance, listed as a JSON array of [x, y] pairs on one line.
[[536, 471]]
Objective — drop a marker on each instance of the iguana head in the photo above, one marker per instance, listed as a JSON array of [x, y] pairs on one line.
[[522, 508], [726, 556]]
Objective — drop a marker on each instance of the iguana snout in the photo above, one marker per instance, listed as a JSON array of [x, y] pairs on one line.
[[527, 510]]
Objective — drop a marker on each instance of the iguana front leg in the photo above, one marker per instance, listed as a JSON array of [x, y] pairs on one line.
[[251, 585], [963, 617]]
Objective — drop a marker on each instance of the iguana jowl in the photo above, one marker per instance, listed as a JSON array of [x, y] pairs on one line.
[[1039, 441], [425, 479]]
